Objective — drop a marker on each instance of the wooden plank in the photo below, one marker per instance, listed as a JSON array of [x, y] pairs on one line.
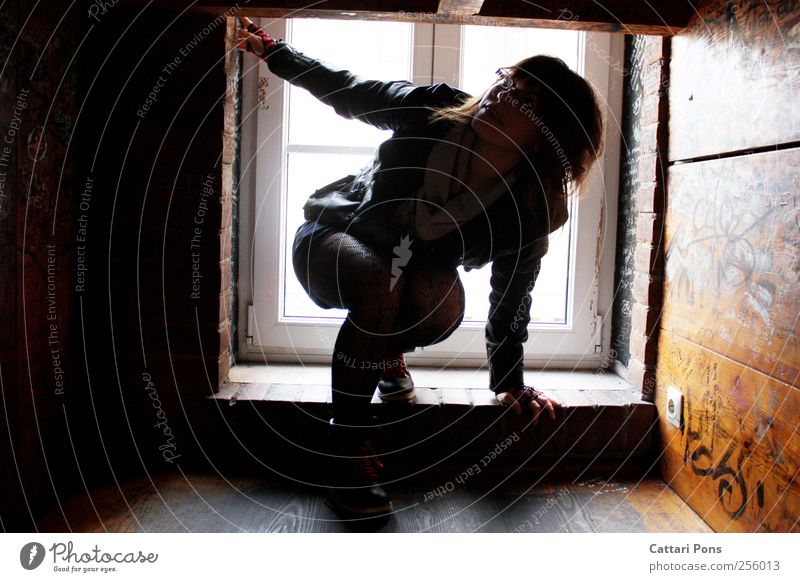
[[255, 391], [298, 511], [456, 396], [654, 17], [734, 79], [613, 426], [216, 503], [661, 509], [732, 261], [461, 7], [661, 17], [736, 460], [283, 392]]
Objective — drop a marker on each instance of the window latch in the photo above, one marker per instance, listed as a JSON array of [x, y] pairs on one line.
[[598, 334], [251, 324]]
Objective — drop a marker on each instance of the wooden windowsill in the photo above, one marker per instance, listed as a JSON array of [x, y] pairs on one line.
[[310, 384], [454, 417]]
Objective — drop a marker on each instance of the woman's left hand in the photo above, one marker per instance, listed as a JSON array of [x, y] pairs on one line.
[[528, 397], [253, 39]]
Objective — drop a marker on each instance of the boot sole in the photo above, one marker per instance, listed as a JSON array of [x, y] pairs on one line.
[[406, 395], [409, 397]]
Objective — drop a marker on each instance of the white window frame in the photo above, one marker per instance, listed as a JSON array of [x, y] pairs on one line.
[[583, 342]]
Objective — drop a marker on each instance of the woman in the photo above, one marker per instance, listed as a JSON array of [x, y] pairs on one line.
[[463, 180]]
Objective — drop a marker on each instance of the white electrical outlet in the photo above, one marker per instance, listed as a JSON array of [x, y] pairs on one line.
[[674, 406]]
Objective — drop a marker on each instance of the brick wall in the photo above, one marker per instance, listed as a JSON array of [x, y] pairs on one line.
[[228, 202], [640, 258]]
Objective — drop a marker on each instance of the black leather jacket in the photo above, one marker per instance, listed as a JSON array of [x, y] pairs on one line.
[[512, 233]]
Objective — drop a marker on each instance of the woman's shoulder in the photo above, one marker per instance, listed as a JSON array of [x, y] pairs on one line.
[[423, 100], [436, 95], [547, 203]]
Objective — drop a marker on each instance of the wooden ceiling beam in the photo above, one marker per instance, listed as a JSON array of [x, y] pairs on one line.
[[652, 17], [656, 17], [460, 8]]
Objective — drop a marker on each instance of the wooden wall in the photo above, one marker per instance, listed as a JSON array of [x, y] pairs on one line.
[[729, 336], [115, 307], [39, 403], [154, 88]]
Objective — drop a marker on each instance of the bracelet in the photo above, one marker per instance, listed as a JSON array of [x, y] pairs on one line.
[[268, 41], [526, 394]]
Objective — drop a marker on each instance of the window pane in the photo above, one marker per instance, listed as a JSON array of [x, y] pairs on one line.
[[371, 50], [509, 46], [549, 297], [307, 173], [478, 66]]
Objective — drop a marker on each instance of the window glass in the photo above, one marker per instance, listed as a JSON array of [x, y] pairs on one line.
[[375, 50], [478, 65], [325, 168]]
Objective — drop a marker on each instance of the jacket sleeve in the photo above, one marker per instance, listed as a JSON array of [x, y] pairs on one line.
[[390, 105], [512, 280]]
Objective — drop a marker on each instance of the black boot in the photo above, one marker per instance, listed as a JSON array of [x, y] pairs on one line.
[[352, 474]]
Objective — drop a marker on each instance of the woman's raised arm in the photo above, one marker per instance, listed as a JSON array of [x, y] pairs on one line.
[[393, 105]]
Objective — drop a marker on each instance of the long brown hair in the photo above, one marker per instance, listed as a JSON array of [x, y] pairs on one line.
[[568, 115]]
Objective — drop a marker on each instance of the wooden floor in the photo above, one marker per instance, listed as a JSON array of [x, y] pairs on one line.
[[213, 503]]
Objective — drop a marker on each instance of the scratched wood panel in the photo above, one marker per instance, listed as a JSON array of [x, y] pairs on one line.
[[737, 458], [733, 260], [734, 81]]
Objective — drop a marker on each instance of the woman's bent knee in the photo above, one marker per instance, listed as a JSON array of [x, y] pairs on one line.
[[433, 306], [342, 271]]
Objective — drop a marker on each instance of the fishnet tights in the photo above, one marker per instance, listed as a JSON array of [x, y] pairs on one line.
[[423, 307]]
